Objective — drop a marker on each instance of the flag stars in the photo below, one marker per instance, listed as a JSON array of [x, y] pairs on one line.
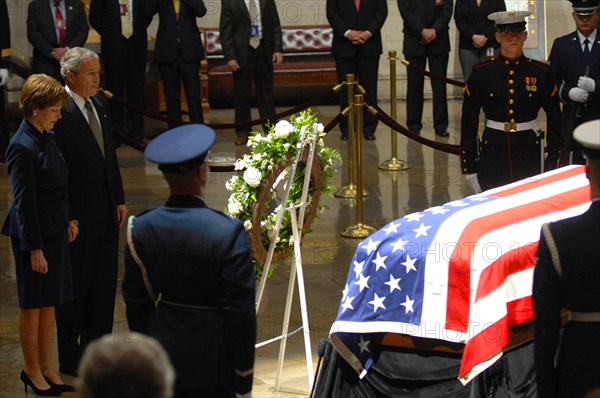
[[438, 210], [363, 282], [393, 283], [414, 217], [392, 227], [379, 262], [363, 345], [422, 230], [370, 247], [410, 264], [345, 291], [377, 302], [358, 267], [348, 304], [408, 305], [458, 203], [398, 245]]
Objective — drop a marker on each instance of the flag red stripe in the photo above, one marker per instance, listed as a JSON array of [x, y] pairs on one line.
[[510, 263], [538, 181], [483, 345], [519, 311], [459, 270]]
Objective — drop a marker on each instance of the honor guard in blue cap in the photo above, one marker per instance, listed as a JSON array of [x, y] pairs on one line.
[[189, 281], [181, 149], [566, 277], [511, 89], [575, 60]]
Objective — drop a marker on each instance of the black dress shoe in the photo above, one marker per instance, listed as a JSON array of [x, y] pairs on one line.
[[442, 133], [241, 140], [50, 392], [60, 387], [370, 137], [344, 137]]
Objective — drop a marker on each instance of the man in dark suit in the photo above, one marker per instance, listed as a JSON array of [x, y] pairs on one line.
[[576, 69], [189, 280], [567, 276], [4, 63], [52, 27], [426, 39], [251, 39], [357, 47], [124, 48], [96, 201], [178, 51]]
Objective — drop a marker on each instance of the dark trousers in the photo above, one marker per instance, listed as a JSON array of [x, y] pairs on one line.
[[365, 70], [438, 65], [204, 392], [175, 73], [125, 78], [258, 69], [94, 264], [3, 124]]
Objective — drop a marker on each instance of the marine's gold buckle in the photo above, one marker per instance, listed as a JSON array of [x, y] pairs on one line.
[[510, 127]]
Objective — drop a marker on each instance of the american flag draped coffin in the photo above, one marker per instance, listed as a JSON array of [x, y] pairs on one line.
[[461, 272]]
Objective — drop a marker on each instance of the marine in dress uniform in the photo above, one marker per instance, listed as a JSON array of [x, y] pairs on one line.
[[511, 89], [576, 68], [189, 280], [567, 276]]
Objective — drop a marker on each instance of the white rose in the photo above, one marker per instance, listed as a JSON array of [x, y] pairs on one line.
[[257, 156], [319, 128], [248, 225], [283, 129], [234, 207], [240, 164], [252, 176]]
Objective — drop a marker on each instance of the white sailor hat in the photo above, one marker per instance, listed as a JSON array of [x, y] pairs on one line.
[[181, 149], [585, 7], [588, 135], [510, 21]]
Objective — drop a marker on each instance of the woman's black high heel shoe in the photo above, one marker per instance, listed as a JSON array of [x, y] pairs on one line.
[[60, 387], [50, 392]]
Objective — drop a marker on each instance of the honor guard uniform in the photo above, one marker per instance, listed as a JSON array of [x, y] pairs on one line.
[[575, 60], [566, 277], [511, 88], [189, 280]]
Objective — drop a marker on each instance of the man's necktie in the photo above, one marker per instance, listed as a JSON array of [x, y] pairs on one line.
[[586, 48], [254, 40], [357, 4], [176, 6], [94, 125], [126, 19], [60, 23]]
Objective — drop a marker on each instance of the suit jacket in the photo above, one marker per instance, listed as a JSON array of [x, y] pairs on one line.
[[38, 176], [105, 17], [234, 27], [95, 186], [578, 369], [420, 14], [472, 19], [4, 36], [198, 260], [41, 33], [568, 64], [342, 16], [177, 35]]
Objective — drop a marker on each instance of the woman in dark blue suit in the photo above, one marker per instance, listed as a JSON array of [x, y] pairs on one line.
[[40, 230]]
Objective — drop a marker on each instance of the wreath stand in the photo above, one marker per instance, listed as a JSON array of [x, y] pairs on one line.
[[296, 267]]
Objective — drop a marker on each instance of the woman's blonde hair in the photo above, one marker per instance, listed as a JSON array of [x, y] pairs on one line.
[[39, 92]]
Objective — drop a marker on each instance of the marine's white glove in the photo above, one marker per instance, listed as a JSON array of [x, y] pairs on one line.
[[578, 95], [3, 77], [586, 83], [473, 182]]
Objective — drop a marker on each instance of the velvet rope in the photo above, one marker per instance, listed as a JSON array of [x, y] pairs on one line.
[[433, 76]]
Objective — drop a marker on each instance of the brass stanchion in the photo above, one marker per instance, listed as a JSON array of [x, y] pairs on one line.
[[393, 164], [359, 230], [349, 191]]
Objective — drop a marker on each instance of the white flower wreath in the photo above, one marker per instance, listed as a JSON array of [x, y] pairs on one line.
[[255, 198]]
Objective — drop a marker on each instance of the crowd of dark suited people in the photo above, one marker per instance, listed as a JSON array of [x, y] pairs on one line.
[[68, 200]]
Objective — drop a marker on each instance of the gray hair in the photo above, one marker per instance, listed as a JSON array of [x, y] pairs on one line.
[[71, 60], [137, 367]]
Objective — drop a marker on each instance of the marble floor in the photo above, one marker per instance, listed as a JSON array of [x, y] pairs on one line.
[[433, 179]]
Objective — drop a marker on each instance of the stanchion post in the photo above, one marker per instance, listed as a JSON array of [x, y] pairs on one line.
[[359, 230], [393, 164], [349, 191]]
